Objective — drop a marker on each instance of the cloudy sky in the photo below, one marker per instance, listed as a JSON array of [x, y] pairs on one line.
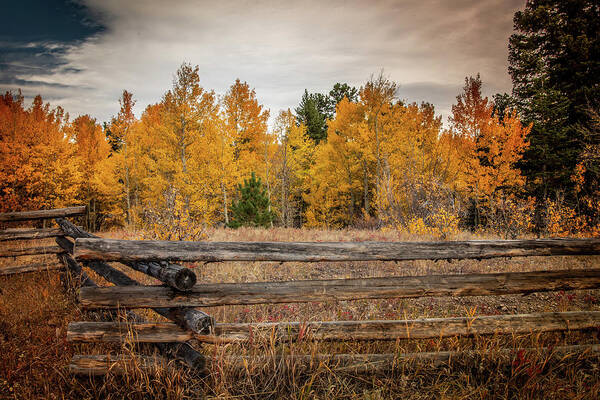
[[82, 54]]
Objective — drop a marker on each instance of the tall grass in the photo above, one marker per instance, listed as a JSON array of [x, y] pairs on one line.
[[35, 309]]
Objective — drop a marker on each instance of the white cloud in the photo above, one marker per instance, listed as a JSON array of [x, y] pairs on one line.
[[281, 49]]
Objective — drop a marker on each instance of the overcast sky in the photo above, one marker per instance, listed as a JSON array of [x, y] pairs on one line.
[[82, 54]]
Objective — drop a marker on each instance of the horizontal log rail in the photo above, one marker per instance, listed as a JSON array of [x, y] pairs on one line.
[[219, 294], [338, 330], [152, 250], [196, 320], [42, 214], [176, 276], [28, 234], [31, 251], [342, 363], [33, 267]]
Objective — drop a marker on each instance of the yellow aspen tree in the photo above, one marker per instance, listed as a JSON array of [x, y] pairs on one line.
[[228, 175], [490, 151], [120, 135], [295, 158], [153, 155], [92, 148], [378, 96], [246, 121], [336, 178], [41, 169], [16, 138], [189, 118]]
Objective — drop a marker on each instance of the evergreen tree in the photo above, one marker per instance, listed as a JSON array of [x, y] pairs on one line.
[[555, 67], [313, 112], [253, 207], [316, 109], [503, 103], [341, 91]]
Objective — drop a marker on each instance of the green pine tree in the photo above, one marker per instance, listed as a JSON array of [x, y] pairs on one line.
[[315, 109], [253, 207], [554, 63], [313, 112]]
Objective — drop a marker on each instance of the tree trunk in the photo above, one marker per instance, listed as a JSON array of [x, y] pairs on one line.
[[225, 206], [365, 189], [267, 174]]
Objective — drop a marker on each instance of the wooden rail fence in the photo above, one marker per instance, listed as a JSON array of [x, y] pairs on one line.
[[30, 235], [179, 295], [219, 294]]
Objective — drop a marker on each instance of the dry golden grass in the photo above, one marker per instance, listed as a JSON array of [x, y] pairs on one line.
[[35, 309]]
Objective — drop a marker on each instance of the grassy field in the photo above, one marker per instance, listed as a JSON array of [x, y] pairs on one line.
[[36, 308]]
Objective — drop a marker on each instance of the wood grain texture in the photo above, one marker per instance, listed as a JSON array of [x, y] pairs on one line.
[[219, 294], [33, 267], [149, 250], [28, 234], [42, 214], [31, 251], [338, 330], [341, 363]]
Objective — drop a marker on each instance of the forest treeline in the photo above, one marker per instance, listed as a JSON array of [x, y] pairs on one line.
[[352, 157]]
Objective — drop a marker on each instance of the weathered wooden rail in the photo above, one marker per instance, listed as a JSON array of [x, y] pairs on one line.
[[32, 267], [154, 250], [219, 294], [341, 363], [42, 214], [426, 328], [29, 235]]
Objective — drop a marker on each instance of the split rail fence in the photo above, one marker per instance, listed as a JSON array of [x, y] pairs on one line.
[[179, 295], [29, 236]]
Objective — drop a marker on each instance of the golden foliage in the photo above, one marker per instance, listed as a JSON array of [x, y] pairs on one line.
[[385, 163], [39, 167]]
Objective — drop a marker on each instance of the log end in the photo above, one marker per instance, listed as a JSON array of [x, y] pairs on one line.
[[185, 279], [199, 322]]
